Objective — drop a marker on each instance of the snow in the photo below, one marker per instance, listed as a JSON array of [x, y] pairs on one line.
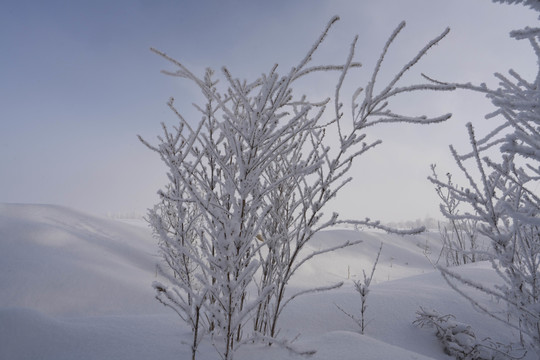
[[76, 286]]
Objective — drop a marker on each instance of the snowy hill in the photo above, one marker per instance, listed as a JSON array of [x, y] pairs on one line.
[[62, 262], [78, 287]]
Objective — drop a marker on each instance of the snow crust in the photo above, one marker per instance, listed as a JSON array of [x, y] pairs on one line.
[[79, 287]]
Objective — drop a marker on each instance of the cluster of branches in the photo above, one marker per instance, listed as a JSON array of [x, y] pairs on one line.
[[247, 188], [502, 197]]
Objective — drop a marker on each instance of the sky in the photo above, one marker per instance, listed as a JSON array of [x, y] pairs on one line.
[[78, 83]]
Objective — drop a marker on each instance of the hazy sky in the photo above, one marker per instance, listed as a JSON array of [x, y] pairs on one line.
[[78, 83]]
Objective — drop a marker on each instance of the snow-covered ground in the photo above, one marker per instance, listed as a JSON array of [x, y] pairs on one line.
[[75, 286]]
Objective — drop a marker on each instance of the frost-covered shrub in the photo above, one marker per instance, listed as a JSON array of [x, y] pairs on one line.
[[362, 288], [459, 340], [503, 173], [248, 185], [460, 241]]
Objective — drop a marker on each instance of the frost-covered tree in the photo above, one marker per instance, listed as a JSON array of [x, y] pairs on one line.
[[503, 174], [248, 186]]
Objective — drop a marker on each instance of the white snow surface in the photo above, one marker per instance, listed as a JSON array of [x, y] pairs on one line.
[[74, 286]]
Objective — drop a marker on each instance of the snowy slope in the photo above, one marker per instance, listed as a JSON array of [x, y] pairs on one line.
[[78, 287]]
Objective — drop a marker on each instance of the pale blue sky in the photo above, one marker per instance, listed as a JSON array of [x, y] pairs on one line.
[[78, 83]]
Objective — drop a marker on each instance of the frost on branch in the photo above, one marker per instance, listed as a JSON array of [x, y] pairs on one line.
[[248, 186], [533, 4]]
